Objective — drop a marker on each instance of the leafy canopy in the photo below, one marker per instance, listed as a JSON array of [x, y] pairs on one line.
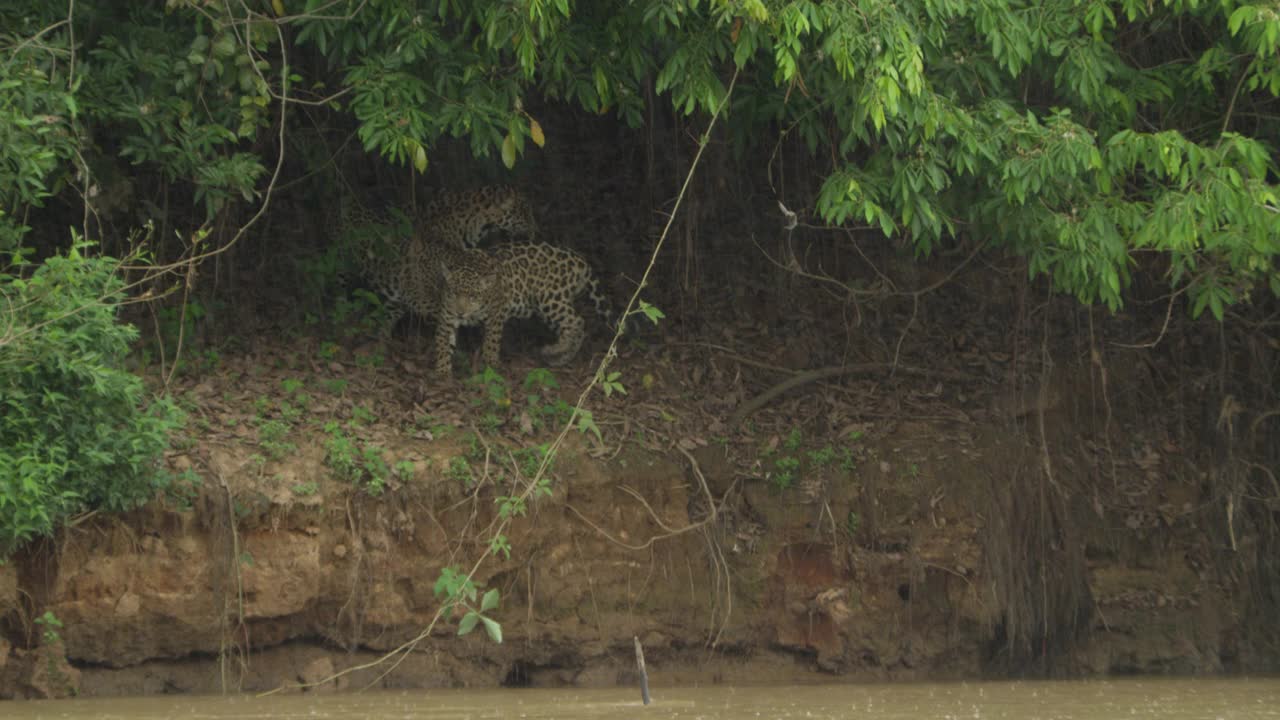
[[1088, 136]]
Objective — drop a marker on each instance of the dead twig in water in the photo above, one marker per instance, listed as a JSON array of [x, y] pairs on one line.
[[644, 676]]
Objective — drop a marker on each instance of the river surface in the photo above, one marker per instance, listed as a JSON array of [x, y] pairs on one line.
[[1176, 699]]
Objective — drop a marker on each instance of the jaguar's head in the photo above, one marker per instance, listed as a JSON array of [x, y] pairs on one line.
[[464, 291]]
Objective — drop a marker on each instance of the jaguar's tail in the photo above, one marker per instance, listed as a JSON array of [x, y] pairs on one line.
[[604, 308]]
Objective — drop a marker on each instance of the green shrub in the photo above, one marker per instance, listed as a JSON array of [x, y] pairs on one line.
[[76, 430]]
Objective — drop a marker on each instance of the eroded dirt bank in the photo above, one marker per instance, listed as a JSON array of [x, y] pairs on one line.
[[906, 526]]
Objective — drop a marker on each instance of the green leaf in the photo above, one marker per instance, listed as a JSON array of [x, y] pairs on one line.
[[494, 629], [420, 159], [1242, 14], [490, 600], [651, 312], [509, 151], [468, 622], [587, 423]]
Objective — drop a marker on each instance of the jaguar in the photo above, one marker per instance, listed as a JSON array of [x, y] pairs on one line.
[[464, 218], [380, 241], [375, 244], [514, 280], [454, 285]]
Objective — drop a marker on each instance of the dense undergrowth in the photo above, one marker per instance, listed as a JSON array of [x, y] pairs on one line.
[[78, 432]]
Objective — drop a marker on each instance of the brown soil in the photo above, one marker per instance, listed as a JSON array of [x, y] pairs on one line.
[[980, 512]]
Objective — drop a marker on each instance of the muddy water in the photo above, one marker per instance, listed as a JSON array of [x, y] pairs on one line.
[[1094, 700]]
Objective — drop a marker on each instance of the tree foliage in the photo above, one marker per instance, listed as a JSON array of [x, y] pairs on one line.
[[1083, 134], [75, 433]]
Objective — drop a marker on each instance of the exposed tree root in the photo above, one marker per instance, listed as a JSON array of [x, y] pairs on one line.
[[825, 373]]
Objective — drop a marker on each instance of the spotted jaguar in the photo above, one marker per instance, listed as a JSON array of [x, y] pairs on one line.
[[378, 243], [516, 280], [453, 285], [464, 218], [374, 245]]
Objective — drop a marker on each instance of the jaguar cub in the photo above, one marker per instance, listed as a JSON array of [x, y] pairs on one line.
[[517, 280], [463, 218]]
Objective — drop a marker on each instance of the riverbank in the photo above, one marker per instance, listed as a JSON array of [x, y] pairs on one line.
[[877, 524]]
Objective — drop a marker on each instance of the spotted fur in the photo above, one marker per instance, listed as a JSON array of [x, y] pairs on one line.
[[464, 218], [518, 280], [376, 245], [438, 276], [380, 242]]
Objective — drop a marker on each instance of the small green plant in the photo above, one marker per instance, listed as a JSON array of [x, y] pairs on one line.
[[787, 458], [794, 440], [362, 415], [847, 462], [336, 386], [515, 505], [475, 447], [510, 506], [365, 467], [539, 403], [360, 313], [258, 461], [649, 311], [210, 360], [404, 471], [306, 489], [539, 379], [289, 412], [427, 422], [50, 625], [341, 454], [493, 387], [499, 545], [819, 459], [787, 467], [587, 424], [376, 470], [558, 411], [460, 592], [271, 434], [262, 406], [529, 459], [328, 351], [291, 385], [851, 523], [459, 470], [611, 384]]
